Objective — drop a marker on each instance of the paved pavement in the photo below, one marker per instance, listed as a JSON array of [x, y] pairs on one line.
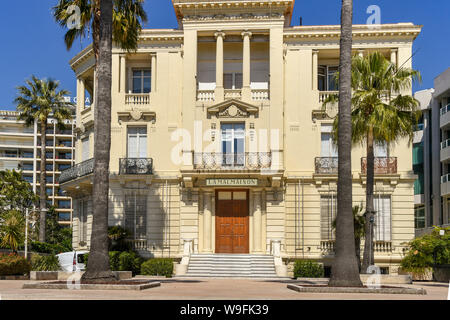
[[216, 289]]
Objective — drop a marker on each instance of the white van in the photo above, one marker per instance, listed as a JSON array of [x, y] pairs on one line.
[[72, 261]]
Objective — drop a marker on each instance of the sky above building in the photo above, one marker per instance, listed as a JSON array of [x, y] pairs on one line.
[[32, 43]]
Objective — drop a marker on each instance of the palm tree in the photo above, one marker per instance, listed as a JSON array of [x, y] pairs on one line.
[[12, 229], [128, 17], [98, 267], [344, 271], [37, 101], [118, 21], [359, 222], [379, 115]]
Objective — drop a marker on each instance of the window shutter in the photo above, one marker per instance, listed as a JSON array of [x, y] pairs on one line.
[[85, 149], [327, 215], [238, 80], [132, 146], [228, 80], [380, 150], [382, 228], [325, 145]]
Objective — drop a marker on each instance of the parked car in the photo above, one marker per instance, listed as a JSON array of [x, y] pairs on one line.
[[72, 261]]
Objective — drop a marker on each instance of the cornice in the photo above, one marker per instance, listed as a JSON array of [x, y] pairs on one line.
[[399, 30]]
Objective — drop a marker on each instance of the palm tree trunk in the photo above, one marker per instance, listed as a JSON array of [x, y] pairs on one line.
[[344, 271], [43, 183], [368, 258], [98, 268]]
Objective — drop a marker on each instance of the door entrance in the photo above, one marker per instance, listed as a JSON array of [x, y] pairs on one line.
[[232, 221]]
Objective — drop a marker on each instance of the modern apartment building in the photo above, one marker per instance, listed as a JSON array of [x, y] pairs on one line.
[[20, 149], [431, 155], [220, 144]]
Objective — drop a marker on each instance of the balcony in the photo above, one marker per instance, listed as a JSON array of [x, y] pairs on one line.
[[323, 95], [445, 151], [136, 166], [445, 117], [232, 161], [79, 170], [382, 165], [326, 165], [138, 99], [209, 95]]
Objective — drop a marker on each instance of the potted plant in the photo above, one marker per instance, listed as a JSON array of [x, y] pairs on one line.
[[428, 256]]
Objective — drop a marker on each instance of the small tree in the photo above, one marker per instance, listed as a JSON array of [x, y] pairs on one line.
[[12, 230]]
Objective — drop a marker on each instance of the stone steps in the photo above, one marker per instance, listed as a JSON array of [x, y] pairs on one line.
[[231, 265]]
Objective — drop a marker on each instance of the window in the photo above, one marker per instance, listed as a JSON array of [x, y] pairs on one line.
[[64, 204], [380, 149], [232, 80], [328, 148], [137, 142], [83, 211], [328, 209], [62, 167], [136, 215], [233, 143], [49, 191], [327, 78], [382, 226], [63, 216], [142, 81], [419, 217], [85, 149]]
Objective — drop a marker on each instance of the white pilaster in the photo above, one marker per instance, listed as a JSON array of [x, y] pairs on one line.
[[153, 84], [218, 94], [246, 92], [315, 69]]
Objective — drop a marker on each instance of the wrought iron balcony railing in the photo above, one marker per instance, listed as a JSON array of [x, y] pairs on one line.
[[232, 161], [382, 165], [326, 165], [79, 170], [136, 166]]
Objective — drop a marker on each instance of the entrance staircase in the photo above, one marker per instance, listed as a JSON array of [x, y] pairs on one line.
[[231, 266]]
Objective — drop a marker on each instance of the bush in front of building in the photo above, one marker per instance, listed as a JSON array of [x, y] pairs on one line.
[[45, 263], [122, 261], [43, 247], [308, 269], [13, 264], [158, 267], [427, 251]]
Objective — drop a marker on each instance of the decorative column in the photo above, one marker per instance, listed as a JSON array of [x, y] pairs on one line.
[[257, 222], [153, 83], [207, 218], [123, 74], [246, 91], [361, 53], [394, 56], [264, 221], [218, 92], [93, 87], [315, 69], [81, 94]]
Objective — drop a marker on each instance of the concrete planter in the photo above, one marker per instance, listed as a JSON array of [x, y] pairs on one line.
[[426, 276], [63, 275], [441, 273]]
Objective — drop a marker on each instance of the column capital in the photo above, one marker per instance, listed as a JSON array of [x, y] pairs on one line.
[[219, 33], [246, 33], [394, 49], [315, 51], [152, 54]]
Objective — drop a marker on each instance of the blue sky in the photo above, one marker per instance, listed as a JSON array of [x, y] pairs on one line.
[[32, 43]]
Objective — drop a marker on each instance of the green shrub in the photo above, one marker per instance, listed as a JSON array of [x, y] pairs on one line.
[[45, 263], [43, 247], [158, 267], [12, 264], [114, 260], [427, 251], [130, 261], [308, 269], [122, 261]]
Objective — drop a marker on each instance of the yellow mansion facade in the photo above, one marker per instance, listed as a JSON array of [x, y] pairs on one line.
[[220, 144]]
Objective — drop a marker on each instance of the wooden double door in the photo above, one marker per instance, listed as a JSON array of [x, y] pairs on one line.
[[232, 221]]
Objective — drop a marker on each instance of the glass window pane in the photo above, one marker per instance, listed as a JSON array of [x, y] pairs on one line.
[[137, 85], [137, 73], [147, 85], [239, 195], [147, 73], [224, 195]]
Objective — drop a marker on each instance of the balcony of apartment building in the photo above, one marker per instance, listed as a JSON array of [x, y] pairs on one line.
[[233, 65]]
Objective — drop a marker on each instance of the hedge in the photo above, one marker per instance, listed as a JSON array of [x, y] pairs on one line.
[[308, 269], [43, 247], [122, 261], [12, 264], [158, 267]]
